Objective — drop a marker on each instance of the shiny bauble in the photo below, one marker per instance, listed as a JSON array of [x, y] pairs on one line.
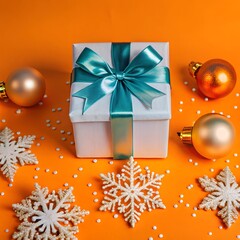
[[215, 78], [25, 87], [212, 136]]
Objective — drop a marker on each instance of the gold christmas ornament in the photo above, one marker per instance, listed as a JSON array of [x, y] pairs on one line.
[[212, 135], [25, 87], [215, 78]]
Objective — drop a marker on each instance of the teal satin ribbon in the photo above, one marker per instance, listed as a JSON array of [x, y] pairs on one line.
[[123, 80]]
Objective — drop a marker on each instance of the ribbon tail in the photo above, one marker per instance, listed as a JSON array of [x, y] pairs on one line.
[[145, 93], [121, 122]]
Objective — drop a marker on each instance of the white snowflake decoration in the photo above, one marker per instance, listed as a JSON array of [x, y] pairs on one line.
[[224, 193], [12, 151], [131, 192], [47, 215]]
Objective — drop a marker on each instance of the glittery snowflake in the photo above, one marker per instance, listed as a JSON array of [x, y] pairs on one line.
[[12, 151], [224, 193], [47, 215], [131, 192]]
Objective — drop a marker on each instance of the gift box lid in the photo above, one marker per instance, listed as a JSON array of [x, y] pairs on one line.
[[161, 106]]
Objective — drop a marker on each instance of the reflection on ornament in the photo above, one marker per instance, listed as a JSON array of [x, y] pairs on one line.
[[215, 78], [25, 87], [212, 135]]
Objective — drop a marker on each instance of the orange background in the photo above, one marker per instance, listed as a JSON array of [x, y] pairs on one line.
[[41, 33]]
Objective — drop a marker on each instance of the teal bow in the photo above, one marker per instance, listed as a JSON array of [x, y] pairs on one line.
[[123, 80]]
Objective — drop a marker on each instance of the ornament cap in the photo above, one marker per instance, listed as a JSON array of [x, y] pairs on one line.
[[186, 135], [3, 93], [193, 67]]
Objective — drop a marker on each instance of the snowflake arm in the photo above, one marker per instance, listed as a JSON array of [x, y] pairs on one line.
[[212, 200], [6, 135], [8, 167], [224, 194], [12, 151], [131, 192], [47, 215], [110, 201]]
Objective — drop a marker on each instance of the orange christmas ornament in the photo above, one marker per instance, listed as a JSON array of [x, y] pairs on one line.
[[215, 78], [212, 135], [25, 87]]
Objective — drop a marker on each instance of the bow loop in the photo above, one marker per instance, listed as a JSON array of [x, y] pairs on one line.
[[92, 63], [146, 60]]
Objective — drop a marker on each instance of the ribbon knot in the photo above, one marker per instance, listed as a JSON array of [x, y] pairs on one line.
[[123, 80], [120, 75]]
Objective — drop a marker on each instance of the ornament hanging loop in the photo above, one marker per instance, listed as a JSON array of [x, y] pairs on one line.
[[186, 135], [193, 67], [3, 93]]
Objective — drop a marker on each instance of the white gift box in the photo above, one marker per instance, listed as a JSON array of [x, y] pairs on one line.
[[92, 130]]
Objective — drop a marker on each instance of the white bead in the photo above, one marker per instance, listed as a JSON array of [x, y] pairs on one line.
[[18, 111], [154, 227]]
